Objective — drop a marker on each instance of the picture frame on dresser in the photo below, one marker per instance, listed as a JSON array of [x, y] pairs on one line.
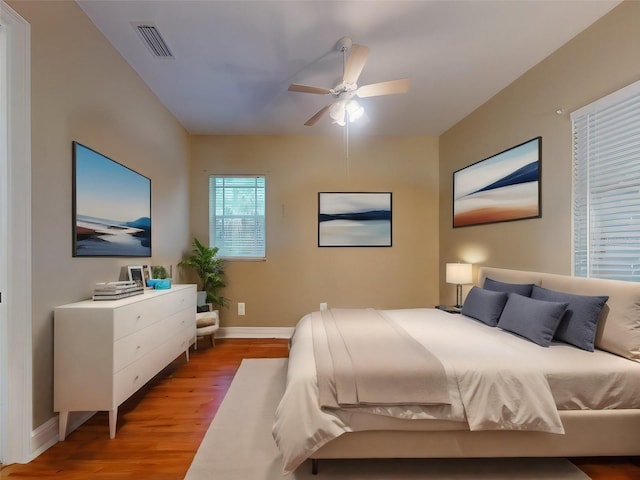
[[136, 274], [146, 274]]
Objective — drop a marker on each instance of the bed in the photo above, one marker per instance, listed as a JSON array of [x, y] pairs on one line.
[[494, 391]]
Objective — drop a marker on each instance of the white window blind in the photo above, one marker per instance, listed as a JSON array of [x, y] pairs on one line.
[[606, 187], [237, 216]]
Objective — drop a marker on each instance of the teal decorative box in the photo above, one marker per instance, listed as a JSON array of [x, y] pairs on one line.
[[162, 284], [159, 283]]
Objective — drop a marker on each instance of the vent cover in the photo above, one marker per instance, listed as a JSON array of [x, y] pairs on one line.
[[153, 40]]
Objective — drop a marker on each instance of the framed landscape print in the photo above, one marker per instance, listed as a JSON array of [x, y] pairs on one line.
[[111, 207], [501, 188], [354, 219]]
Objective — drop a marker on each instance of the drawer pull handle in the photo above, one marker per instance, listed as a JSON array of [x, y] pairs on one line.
[[138, 348], [136, 379]]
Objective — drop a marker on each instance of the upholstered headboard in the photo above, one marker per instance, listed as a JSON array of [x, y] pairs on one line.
[[619, 324]]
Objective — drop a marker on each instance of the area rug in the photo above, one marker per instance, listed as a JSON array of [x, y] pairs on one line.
[[238, 445]]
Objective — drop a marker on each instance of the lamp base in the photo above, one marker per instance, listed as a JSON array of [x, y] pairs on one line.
[[448, 308]]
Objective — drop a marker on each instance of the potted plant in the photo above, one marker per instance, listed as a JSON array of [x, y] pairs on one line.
[[210, 269], [159, 271]]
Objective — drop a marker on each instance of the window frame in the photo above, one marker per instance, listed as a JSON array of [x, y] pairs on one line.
[[213, 216], [581, 152]]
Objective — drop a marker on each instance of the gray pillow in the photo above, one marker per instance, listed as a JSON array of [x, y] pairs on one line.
[[484, 305], [536, 320], [519, 288], [579, 322]]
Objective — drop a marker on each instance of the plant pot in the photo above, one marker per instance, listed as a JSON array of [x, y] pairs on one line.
[[201, 298]]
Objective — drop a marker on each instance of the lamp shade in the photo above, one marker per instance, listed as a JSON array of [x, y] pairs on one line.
[[459, 273]]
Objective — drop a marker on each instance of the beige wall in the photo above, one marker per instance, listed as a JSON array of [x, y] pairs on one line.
[[602, 59], [298, 275], [83, 90]]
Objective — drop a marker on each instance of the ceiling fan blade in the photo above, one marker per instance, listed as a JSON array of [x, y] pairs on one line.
[[384, 88], [313, 120], [294, 87], [357, 58]]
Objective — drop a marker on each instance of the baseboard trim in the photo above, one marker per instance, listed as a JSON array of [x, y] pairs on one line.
[[43, 437], [46, 435], [255, 332]]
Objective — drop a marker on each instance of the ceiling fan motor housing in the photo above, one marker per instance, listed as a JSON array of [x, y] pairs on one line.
[[344, 44], [344, 90]]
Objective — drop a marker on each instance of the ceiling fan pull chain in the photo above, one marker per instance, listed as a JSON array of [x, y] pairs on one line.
[[346, 143], [346, 114]]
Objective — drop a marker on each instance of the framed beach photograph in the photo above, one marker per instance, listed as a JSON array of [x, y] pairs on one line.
[[500, 188], [111, 207], [354, 219]]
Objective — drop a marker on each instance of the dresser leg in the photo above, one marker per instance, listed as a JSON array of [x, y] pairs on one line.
[[113, 420], [63, 419]]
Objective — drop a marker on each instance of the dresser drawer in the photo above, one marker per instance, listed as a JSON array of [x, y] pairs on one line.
[[136, 316], [179, 321], [180, 300], [128, 380], [133, 347]]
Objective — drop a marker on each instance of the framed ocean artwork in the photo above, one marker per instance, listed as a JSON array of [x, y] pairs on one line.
[[354, 219], [500, 188], [111, 207]]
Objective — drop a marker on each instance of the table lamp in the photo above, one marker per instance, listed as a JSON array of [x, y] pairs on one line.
[[459, 274]]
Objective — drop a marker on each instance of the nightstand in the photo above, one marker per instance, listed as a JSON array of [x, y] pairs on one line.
[[448, 308]]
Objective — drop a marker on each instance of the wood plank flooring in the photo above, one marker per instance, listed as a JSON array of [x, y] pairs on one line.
[[161, 426]]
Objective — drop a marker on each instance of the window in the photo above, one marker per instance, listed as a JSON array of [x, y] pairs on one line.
[[237, 216], [606, 187]]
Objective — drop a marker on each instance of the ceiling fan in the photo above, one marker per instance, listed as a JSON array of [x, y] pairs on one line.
[[345, 108]]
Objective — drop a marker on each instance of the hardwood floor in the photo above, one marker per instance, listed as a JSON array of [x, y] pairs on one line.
[[161, 426]]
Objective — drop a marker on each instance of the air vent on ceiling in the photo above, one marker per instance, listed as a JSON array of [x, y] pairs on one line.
[[154, 41]]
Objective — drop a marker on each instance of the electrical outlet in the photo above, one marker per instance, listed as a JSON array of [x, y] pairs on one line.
[[323, 306], [240, 308]]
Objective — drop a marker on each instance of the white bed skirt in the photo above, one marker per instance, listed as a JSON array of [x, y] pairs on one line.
[[587, 433]]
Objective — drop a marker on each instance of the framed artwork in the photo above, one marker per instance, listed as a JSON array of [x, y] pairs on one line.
[[501, 188], [354, 219], [136, 274], [111, 207]]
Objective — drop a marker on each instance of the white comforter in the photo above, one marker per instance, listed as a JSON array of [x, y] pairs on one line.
[[492, 386]]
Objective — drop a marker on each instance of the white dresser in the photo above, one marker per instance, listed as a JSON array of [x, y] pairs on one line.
[[104, 351]]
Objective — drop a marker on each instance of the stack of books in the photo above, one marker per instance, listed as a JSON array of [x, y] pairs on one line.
[[116, 290]]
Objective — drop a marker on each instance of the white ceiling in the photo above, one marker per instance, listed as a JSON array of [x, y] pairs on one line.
[[234, 60]]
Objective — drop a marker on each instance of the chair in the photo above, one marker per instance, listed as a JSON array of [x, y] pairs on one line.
[[207, 324]]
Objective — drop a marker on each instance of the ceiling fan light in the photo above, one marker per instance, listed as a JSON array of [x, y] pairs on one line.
[[354, 110], [337, 113]]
